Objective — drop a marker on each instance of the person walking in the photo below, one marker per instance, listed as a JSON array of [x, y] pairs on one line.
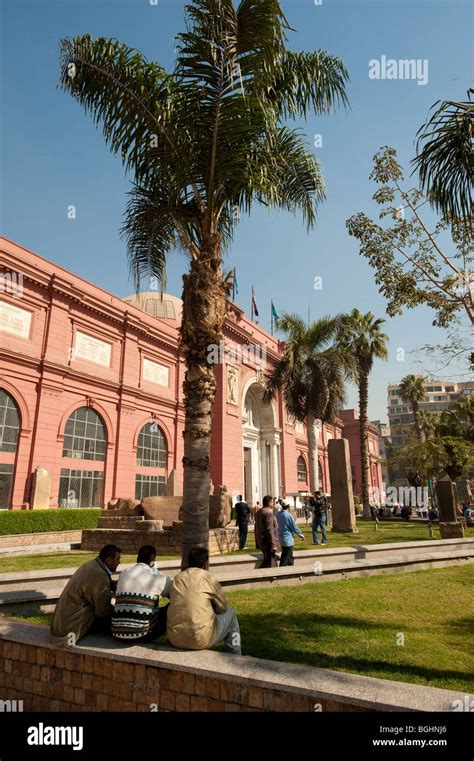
[[266, 533], [286, 529], [243, 512], [319, 507]]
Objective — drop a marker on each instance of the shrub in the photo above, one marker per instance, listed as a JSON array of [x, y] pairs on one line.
[[37, 521]]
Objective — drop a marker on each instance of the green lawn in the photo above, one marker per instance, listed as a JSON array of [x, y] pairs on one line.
[[398, 531], [353, 626]]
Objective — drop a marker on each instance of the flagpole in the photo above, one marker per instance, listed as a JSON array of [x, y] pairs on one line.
[[251, 311], [233, 287], [271, 312]]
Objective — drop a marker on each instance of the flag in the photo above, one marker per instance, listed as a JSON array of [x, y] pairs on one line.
[[254, 304], [236, 282], [275, 314]]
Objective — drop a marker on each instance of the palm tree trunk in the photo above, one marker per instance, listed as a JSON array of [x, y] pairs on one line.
[[416, 419], [204, 307], [313, 453], [364, 460]]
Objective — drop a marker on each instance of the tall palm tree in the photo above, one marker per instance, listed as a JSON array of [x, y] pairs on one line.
[[203, 141], [360, 337], [311, 376], [445, 159], [412, 392]]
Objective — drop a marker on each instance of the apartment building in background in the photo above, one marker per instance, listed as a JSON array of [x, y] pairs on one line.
[[439, 395]]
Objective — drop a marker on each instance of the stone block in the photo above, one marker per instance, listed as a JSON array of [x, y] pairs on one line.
[[40, 489], [174, 487], [151, 526], [447, 498], [342, 498], [220, 509], [452, 529], [165, 509]]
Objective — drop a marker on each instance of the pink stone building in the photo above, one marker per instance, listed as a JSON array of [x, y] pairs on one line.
[[351, 432], [91, 390]]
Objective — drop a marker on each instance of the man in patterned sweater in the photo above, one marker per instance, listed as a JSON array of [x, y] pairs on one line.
[[137, 616]]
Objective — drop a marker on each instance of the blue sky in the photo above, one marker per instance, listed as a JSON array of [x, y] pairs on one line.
[[53, 156]]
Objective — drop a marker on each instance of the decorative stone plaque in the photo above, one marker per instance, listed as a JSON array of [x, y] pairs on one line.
[[15, 320], [155, 373], [92, 349]]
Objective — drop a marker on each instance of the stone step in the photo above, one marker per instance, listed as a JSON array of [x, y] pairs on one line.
[[245, 562], [49, 590]]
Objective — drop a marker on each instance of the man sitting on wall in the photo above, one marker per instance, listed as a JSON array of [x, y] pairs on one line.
[[198, 616], [85, 605], [137, 616]]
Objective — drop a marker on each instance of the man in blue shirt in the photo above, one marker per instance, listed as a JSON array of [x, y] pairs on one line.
[[286, 529]]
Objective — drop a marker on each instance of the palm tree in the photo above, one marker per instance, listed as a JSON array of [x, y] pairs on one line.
[[360, 337], [429, 422], [412, 392], [445, 158], [311, 377], [204, 141], [458, 420]]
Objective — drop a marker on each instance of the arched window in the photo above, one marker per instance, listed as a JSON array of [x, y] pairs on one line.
[[9, 432], [302, 470], [84, 436], [152, 452], [9, 423]]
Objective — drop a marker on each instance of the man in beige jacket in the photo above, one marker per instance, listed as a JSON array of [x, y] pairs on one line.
[[85, 604], [198, 615]]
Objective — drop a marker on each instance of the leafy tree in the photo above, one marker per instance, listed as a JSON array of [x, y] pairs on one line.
[[411, 265], [458, 420], [361, 338], [311, 375], [449, 445], [203, 142], [426, 459]]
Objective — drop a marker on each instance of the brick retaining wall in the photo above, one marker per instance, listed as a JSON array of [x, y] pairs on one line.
[[103, 675], [167, 542], [50, 537]]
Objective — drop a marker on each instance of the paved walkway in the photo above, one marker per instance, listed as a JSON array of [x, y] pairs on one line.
[[242, 572]]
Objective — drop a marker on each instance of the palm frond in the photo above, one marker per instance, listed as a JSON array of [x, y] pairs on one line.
[[445, 158]]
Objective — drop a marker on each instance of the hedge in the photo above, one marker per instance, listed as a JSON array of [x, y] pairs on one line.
[[37, 521]]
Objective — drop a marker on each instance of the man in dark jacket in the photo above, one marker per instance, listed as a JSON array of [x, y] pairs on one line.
[[266, 533], [242, 511], [319, 507], [85, 604]]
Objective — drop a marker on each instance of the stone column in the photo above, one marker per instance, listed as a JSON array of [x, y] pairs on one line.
[[342, 498], [275, 471], [449, 524]]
